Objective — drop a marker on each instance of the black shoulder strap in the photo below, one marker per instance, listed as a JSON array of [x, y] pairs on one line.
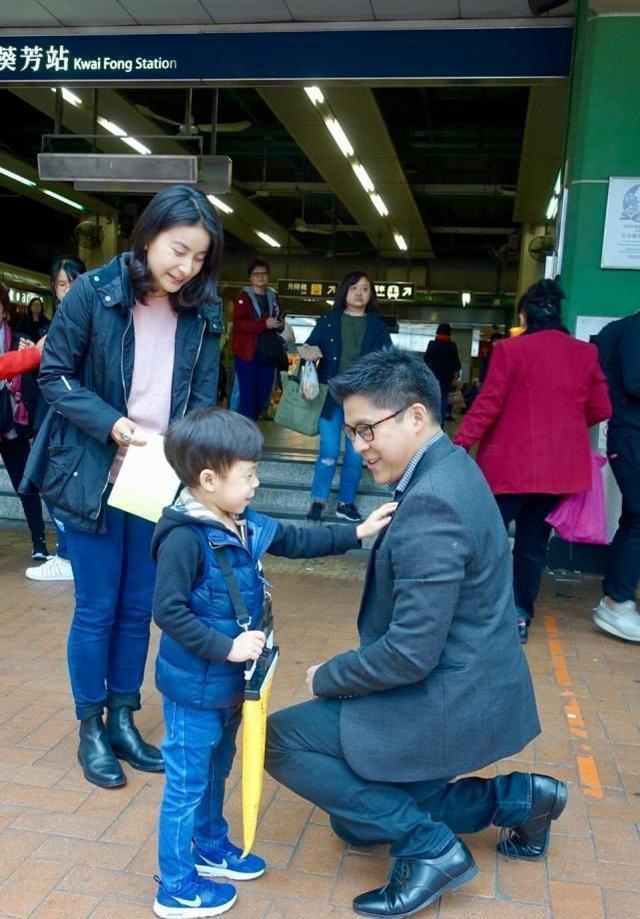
[[239, 607]]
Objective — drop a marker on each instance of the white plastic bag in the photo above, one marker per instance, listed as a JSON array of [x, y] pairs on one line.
[[309, 386]]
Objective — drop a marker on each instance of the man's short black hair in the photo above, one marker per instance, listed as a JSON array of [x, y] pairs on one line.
[[391, 379], [211, 438], [257, 263]]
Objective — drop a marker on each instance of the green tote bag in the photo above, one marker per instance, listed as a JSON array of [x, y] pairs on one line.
[[296, 413]]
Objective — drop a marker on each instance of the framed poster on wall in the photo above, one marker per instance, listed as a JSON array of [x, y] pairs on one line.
[[621, 238]]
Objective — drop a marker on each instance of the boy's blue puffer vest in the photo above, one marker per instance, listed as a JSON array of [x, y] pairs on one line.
[[181, 675]]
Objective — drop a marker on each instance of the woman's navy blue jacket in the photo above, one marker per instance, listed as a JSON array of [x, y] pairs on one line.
[[327, 335], [85, 376], [192, 606]]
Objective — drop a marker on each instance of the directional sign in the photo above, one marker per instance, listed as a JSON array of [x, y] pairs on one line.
[[385, 290]]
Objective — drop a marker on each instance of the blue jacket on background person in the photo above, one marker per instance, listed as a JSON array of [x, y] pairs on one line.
[[72, 455], [327, 335], [191, 603]]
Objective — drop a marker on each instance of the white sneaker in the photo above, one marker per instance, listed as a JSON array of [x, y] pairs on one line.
[[623, 621], [56, 569]]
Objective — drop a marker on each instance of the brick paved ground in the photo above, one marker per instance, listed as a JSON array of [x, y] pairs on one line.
[[70, 850]]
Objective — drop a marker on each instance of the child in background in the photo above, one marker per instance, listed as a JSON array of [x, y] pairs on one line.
[[203, 649]]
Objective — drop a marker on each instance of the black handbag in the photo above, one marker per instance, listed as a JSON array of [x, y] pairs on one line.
[[272, 350], [6, 409]]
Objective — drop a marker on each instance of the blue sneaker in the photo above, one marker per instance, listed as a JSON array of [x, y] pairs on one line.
[[196, 899], [225, 861]]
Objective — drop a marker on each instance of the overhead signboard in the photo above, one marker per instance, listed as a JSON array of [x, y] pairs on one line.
[[385, 290], [286, 54]]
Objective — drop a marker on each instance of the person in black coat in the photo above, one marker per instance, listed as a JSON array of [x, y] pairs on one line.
[[442, 358], [133, 346]]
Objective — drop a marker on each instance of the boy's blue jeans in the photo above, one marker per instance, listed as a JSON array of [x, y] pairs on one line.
[[109, 638], [198, 752], [330, 435]]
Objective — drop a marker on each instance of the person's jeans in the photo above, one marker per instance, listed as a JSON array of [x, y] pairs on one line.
[[256, 383], [444, 403], [330, 435], [109, 638], [623, 564], [198, 751], [61, 536], [531, 542], [15, 453], [417, 819]]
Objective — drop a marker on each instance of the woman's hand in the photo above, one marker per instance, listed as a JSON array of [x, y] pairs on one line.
[[40, 344], [24, 343], [247, 647], [310, 352], [127, 434], [273, 323], [378, 520]]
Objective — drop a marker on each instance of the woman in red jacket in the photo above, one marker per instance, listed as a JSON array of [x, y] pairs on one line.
[[543, 391]]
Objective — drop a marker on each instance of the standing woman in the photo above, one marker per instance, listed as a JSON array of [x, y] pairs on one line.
[[16, 422], [339, 338], [64, 271], [37, 324], [133, 346], [442, 358], [542, 393]]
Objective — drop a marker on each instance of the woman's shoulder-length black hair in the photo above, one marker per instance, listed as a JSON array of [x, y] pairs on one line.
[[70, 264], [178, 205], [343, 288]]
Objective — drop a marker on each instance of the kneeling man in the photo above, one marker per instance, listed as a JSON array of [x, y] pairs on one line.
[[439, 686]]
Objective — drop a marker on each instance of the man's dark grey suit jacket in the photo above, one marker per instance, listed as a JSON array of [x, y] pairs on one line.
[[440, 685]]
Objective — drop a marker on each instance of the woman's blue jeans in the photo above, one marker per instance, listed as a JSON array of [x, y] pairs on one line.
[[198, 751], [330, 436], [109, 637]]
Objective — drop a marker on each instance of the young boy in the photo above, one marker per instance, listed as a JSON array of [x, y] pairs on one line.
[[200, 665]]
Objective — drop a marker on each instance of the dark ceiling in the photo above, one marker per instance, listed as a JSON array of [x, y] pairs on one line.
[[444, 136]]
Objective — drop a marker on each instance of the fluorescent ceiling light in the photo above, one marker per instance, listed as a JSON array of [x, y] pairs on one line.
[[400, 241], [16, 177], [558, 186], [136, 145], [68, 96], [54, 194], [335, 129], [268, 239], [330, 302], [363, 176], [552, 208], [220, 204], [111, 127], [315, 94], [466, 298], [379, 205]]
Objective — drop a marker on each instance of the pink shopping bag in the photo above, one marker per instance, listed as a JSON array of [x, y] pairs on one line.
[[582, 517]]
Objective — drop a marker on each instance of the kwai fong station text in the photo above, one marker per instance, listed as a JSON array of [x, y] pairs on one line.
[[124, 64]]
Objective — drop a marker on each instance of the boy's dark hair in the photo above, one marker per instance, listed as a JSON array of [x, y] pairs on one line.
[[178, 205], [211, 438], [257, 263], [444, 329], [391, 379]]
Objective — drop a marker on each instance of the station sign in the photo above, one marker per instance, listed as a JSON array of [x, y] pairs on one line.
[[385, 290], [286, 54]]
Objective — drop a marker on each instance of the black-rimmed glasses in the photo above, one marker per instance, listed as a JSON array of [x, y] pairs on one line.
[[367, 431]]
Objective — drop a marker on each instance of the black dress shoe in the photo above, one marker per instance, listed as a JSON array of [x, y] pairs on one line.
[[96, 757], [127, 744], [531, 838], [414, 883]]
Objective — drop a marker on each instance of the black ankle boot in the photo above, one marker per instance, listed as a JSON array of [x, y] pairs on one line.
[[127, 744], [96, 757]]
